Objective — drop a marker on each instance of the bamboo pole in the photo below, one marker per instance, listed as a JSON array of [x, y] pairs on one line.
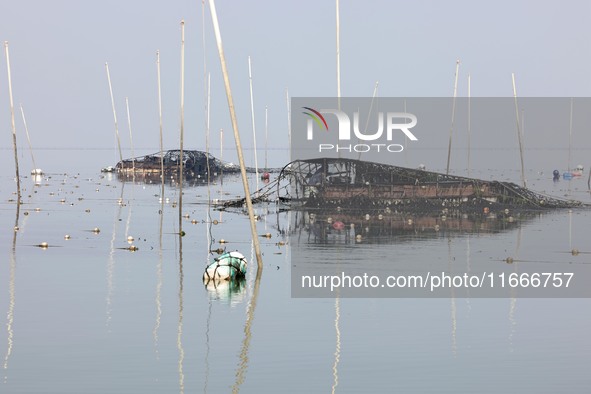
[[254, 133], [453, 115], [288, 122], [338, 34], [160, 117], [181, 164], [28, 138], [12, 123], [469, 125], [518, 131], [266, 135], [114, 113], [570, 134], [130, 136], [218, 38]]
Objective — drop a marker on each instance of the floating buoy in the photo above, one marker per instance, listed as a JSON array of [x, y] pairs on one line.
[[87, 210], [215, 221], [329, 220], [26, 213], [436, 227], [575, 252], [67, 237], [16, 228], [280, 243], [223, 241], [380, 216], [266, 176], [506, 211], [367, 216], [193, 221], [43, 245], [186, 216], [133, 248], [130, 239], [486, 210], [96, 230], [358, 238], [37, 209], [509, 260], [409, 222], [266, 235], [338, 225], [228, 266]]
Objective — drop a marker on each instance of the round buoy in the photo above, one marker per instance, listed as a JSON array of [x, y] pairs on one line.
[[43, 245], [280, 243], [575, 252], [266, 176], [87, 210], [267, 235], [409, 222], [509, 260], [215, 221], [96, 230], [367, 216], [358, 238], [130, 239], [380, 216], [193, 221], [436, 227], [67, 237], [186, 216], [329, 220], [222, 241], [486, 210], [506, 211], [133, 248], [37, 209], [338, 225], [16, 228]]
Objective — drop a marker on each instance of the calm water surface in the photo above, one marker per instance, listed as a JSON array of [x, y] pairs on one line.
[[86, 315]]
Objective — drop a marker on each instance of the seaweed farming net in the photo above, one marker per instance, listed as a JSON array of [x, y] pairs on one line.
[[349, 183]]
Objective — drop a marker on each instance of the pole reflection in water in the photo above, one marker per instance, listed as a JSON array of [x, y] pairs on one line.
[[243, 365], [111, 261], [337, 352], [179, 340], [159, 279], [11, 297]]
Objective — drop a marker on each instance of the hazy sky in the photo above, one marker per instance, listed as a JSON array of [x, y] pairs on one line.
[[58, 51]]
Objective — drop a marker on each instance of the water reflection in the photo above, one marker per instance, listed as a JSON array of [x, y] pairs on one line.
[[335, 226], [230, 292], [11, 296], [171, 180], [243, 365]]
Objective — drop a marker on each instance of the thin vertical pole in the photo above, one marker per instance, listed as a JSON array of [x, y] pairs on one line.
[[218, 38], [453, 114], [207, 123], [338, 33], [254, 133], [181, 164], [288, 122], [570, 134], [160, 116], [518, 131], [13, 125], [469, 125], [114, 113], [130, 135], [28, 138], [266, 134]]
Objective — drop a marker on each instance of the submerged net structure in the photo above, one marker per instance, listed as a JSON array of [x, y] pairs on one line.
[[346, 183]]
